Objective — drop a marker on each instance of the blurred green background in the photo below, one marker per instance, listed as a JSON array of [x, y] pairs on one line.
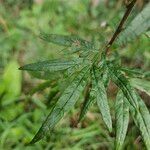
[[21, 110]]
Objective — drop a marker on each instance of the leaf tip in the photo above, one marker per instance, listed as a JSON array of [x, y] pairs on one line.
[[35, 139]]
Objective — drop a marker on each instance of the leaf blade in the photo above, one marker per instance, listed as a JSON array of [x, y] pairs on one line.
[[122, 119], [51, 65], [68, 41], [102, 102], [88, 99]]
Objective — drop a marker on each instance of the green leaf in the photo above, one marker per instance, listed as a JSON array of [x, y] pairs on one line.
[[88, 99], [101, 98], [51, 65], [105, 76], [137, 107], [65, 103], [68, 41], [122, 119], [138, 73], [139, 25], [142, 85], [141, 118], [122, 83]]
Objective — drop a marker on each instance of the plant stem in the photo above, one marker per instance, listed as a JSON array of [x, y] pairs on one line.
[[129, 8]]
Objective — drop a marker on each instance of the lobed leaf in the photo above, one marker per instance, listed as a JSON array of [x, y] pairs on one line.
[[65, 103], [51, 65], [101, 97], [137, 107], [139, 25], [122, 119]]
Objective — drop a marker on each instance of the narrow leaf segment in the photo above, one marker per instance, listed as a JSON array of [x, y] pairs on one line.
[[51, 65], [67, 41], [122, 119], [88, 100], [101, 98]]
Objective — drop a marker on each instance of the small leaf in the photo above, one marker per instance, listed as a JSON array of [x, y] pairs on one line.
[[101, 97], [51, 65], [141, 85], [68, 41], [122, 119], [137, 107], [87, 101], [65, 103]]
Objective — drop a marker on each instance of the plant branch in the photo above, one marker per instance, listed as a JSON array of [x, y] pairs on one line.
[[129, 8]]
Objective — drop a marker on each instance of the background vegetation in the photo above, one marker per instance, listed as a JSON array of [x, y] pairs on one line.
[[21, 109]]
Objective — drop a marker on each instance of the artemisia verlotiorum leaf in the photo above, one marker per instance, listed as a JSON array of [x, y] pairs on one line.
[[99, 72]]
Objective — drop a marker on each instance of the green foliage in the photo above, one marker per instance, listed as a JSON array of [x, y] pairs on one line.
[[11, 82], [101, 98], [137, 108], [84, 77], [139, 25], [88, 100], [75, 42], [102, 71], [136, 73], [122, 119], [142, 85], [51, 66], [65, 103]]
